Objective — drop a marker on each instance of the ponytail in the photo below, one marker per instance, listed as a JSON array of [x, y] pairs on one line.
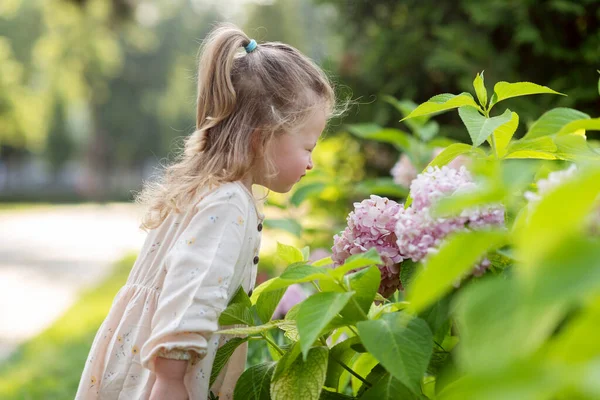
[[216, 93]]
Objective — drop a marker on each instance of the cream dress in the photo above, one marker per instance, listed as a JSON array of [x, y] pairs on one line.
[[185, 275]]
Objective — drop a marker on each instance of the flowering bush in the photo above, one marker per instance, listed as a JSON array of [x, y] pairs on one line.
[[398, 233], [526, 331]]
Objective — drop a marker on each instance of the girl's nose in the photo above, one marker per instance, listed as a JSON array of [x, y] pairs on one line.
[[310, 164]]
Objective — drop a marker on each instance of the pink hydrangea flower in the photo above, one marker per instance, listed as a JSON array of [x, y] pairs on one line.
[[372, 225], [404, 172], [435, 183], [420, 234], [293, 295], [551, 182]]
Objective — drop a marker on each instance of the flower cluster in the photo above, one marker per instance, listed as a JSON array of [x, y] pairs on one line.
[[371, 225], [419, 233], [404, 172], [555, 179], [398, 233]]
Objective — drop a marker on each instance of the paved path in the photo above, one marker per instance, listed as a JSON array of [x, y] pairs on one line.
[[49, 254]]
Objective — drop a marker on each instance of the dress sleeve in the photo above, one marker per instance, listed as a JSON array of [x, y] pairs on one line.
[[200, 269]]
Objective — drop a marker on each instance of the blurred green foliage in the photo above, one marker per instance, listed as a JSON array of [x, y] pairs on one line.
[[415, 49]]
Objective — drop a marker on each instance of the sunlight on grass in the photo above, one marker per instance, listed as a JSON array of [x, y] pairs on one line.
[[50, 365]]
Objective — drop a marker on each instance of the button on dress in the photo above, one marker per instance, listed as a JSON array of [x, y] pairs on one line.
[[185, 275]]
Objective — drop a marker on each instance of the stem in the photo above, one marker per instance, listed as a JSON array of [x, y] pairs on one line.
[[347, 368], [349, 288], [353, 330], [493, 142], [272, 343], [359, 309], [316, 286]]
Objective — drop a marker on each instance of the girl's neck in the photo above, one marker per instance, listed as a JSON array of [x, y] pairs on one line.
[[247, 181]]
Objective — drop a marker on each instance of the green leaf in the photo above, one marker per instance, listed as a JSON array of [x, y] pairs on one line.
[[455, 204], [255, 382], [288, 326], [573, 268], [305, 191], [449, 154], [437, 318], [381, 187], [480, 90], [223, 354], [236, 314], [301, 272], [575, 148], [585, 124], [315, 313], [401, 343], [504, 133], [304, 378], [443, 102], [407, 272], [322, 262], [267, 303], [370, 257], [289, 254], [389, 388], [405, 107], [287, 360], [531, 154], [505, 90], [499, 308], [438, 275], [256, 293], [480, 127], [374, 376], [305, 253], [378, 310], [577, 342], [250, 330], [327, 395], [544, 144], [559, 214], [530, 380], [298, 274], [553, 121], [400, 139], [540, 148], [286, 224], [341, 352], [240, 297], [365, 284]]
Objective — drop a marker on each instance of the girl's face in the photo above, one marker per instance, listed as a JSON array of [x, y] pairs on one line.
[[292, 152]]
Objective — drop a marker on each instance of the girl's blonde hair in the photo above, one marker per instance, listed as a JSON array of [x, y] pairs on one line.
[[244, 100]]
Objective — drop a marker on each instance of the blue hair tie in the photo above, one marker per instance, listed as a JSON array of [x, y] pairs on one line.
[[251, 46]]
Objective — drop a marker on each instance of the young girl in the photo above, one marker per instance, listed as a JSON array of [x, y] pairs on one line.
[[260, 113]]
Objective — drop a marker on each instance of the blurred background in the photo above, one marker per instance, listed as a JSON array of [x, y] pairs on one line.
[[96, 94]]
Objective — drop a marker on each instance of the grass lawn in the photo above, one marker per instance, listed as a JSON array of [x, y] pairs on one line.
[[49, 366]]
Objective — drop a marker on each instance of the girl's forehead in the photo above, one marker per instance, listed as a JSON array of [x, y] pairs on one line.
[[313, 125]]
